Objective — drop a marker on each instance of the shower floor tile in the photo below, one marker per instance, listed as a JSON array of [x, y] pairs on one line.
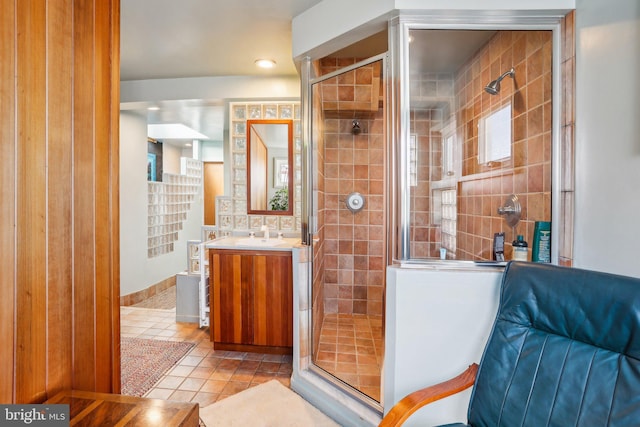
[[351, 349]]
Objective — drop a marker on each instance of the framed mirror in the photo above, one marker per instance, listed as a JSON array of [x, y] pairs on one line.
[[270, 167]]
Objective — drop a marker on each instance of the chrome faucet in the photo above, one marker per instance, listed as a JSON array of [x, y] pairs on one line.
[[265, 228]]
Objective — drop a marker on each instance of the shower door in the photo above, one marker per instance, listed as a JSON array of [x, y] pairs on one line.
[[349, 152]]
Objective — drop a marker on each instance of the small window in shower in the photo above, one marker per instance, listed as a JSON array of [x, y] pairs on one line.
[[494, 136], [449, 221], [413, 161]]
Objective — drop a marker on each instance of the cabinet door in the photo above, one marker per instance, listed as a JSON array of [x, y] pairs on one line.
[[232, 297], [273, 300]]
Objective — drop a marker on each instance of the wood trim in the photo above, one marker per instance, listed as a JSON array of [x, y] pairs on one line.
[[136, 297], [114, 175], [249, 348], [8, 140], [409, 404], [290, 152]]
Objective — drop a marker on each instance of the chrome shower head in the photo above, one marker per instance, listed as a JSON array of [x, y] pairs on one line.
[[355, 127], [493, 88]]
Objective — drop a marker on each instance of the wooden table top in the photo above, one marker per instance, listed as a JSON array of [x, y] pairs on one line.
[[103, 409]]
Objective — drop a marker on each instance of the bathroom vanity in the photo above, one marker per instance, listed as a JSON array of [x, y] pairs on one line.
[[251, 294]]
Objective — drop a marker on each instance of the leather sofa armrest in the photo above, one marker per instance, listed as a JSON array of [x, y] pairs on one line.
[[416, 400]]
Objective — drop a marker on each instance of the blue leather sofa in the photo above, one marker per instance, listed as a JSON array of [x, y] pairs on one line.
[[564, 351]]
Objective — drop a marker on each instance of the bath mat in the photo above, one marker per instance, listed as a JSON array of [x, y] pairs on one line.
[[266, 405], [145, 361]]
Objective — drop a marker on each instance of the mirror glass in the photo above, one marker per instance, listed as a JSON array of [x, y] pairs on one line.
[[270, 167]]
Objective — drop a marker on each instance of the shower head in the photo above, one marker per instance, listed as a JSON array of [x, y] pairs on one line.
[[355, 128], [493, 88]]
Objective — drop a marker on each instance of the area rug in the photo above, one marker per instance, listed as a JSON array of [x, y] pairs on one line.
[[267, 405], [144, 362]]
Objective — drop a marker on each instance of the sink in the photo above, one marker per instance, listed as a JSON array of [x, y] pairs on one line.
[[257, 241]]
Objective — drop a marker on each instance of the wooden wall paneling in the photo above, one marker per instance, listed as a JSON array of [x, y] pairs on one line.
[[31, 230], [59, 269], [103, 192], [8, 191], [114, 200], [84, 215], [59, 189]]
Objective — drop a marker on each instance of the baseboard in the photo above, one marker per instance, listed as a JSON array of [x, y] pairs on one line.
[[144, 294]]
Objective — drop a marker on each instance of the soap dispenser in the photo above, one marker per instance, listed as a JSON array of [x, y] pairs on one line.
[[520, 249]]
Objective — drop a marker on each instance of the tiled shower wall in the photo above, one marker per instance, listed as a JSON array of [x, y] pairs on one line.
[[483, 188], [354, 243], [318, 192]]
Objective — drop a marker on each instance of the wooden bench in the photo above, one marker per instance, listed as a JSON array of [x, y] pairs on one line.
[[103, 409]]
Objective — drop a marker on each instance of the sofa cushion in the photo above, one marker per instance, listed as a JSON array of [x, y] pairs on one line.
[[564, 350]]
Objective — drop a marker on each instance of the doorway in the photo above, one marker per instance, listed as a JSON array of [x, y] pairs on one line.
[[213, 187], [349, 245]]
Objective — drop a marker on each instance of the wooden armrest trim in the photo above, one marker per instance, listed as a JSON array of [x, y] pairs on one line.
[[416, 400]]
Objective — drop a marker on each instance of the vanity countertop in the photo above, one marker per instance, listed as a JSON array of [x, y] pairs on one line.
[[254, 243]]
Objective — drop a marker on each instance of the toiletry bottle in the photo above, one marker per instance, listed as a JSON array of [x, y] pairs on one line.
[[520, 249], [541, 249]]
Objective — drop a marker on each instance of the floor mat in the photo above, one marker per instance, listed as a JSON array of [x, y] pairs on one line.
[[266, 405], [145, 361]]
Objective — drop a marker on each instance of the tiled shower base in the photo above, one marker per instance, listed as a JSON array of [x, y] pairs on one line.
[[351, 348]]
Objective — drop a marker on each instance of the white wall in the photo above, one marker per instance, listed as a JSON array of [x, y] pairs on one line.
[[437, 322], [171, 158], [212, 151], [137, 272], [607, 146]]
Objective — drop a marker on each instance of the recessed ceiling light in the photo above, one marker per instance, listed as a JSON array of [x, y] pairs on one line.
[[153, 108], [265, 63]]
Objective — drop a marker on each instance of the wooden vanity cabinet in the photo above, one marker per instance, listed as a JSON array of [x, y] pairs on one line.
[[251, 300]]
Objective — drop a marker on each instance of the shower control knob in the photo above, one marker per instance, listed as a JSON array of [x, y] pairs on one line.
[[355, 202]]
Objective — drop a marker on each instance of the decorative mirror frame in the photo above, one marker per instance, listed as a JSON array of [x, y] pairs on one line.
[[290, 187], [232, 208]]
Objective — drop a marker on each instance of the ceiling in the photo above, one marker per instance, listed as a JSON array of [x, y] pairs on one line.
[[197, 38], [165, 39]]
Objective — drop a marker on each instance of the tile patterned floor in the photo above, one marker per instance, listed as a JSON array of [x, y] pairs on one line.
[[203, 375], [351, 348]]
